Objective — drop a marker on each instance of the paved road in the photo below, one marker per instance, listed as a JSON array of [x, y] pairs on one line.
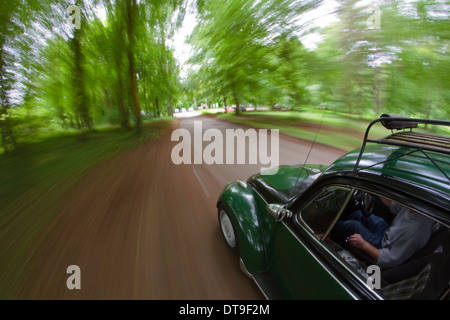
[[141, 227]]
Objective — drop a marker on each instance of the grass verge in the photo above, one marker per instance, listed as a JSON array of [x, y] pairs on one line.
[[330, 129], [338, 130]]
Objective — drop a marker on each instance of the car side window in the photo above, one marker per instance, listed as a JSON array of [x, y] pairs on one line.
[[410, 247], [321, 213]]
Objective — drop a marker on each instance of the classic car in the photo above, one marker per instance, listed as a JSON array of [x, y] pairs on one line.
[[285, 227]]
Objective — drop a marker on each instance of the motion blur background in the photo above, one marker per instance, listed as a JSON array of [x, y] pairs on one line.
[[84, 80], [128, 62]]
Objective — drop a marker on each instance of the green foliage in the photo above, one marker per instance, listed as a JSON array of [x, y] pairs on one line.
[[402, 67], [377, 57], [114, 69], [120, 67], [239, 45]]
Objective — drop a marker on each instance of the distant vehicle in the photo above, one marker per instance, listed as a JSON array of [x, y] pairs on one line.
[[177, 110], [183, 109], [191, 109], [284, 227], [281, 107]]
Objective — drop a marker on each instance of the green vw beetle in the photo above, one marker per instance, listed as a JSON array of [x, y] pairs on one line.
[[373, 225]]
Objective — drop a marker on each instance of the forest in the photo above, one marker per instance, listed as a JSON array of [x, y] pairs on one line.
[[78, 65]]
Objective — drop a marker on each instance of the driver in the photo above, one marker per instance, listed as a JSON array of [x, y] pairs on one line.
[[388, 245]]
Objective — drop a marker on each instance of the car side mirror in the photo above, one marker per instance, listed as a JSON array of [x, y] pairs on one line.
[[278, 211]]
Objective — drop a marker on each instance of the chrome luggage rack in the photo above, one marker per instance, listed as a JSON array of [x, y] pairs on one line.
[[419, 142]]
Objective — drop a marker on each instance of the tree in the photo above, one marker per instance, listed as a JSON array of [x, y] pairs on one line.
[[289, 71], [113, 45], [157, 68], [232, 42], [400, 67], [8, 30], [131, 13], [15, 17], [80, 97], [420, 73]]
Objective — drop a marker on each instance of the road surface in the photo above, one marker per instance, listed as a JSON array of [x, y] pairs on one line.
[[140, 227]]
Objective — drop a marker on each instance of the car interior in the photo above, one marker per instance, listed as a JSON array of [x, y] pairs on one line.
[[424, 275]]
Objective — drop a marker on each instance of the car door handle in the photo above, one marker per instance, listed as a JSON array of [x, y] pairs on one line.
[[278, 211]]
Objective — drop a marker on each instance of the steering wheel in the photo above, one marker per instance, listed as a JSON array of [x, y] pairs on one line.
[[367, 203]]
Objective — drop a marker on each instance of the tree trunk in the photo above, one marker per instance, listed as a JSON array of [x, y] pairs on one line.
[[123, 110], [157, 111], [236, 100], [8, 141], [79, 84], [131, 7], [170, 107]]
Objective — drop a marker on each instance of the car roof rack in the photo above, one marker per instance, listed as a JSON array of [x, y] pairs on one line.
[[419, 142]]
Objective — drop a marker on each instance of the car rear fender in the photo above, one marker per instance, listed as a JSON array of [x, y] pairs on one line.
[[239, 198]]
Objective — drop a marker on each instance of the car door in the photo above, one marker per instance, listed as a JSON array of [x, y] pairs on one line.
[[299, 264]]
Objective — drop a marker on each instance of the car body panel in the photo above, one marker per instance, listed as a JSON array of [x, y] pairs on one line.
[[297, 271], [250, 238], [254, 224], [395, 162], [288, 182]]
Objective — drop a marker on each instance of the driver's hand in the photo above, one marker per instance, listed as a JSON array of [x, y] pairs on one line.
[[356, 240]]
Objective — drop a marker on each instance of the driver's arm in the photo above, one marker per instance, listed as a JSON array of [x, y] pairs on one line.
[[357, 241], [386, 202]]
